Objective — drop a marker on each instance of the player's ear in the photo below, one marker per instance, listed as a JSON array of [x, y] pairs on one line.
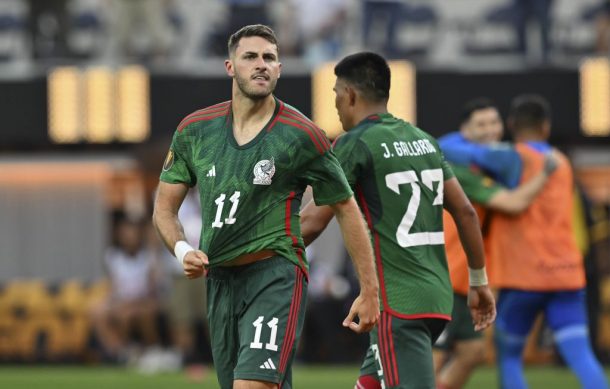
[[351, 93], [279, 67], [229, 68]]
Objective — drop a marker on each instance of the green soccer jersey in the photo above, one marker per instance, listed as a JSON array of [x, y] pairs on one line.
[[397, 172], [251, 194], [478, 187]]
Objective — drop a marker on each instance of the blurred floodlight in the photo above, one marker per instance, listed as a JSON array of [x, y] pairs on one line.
[[99, 105], [402, 102], [100, 101], [595, 97], [64, 105], [133, 104]]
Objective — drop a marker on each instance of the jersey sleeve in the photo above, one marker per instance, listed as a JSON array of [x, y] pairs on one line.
[[446, 166], [353, 156], [323, 172], [327, 180], [478, 187], [176, 168]]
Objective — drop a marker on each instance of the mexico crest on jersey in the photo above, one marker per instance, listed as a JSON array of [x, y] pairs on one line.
[[263, 171]]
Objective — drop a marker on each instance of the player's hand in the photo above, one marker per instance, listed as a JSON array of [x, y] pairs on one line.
[[551, 162], [195, 263], [366, 307], [482, 306]]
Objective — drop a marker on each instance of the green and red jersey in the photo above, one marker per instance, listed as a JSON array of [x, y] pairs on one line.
[[397, 172], [251, 194]]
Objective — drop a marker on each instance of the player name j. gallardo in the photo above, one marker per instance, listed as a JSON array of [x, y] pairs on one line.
[[412, 148]]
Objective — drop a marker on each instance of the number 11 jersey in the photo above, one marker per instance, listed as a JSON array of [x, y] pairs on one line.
[[397, 172], [251, 194]]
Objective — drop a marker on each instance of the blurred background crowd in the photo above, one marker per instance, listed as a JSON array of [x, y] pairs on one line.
[[173, 32], [92, 90]]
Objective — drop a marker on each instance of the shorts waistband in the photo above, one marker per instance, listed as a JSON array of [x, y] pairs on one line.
[[223, 272], [249, 258]]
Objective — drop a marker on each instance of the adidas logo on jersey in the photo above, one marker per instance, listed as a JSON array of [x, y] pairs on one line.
[[212, 172], [268, 365]]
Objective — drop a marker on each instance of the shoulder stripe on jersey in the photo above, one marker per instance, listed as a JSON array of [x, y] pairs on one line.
[[305, 119], [302, 118], [213, 108], [279, 112], [209, 110], [319, 135], [309, 132], [202, 114], [202, 118]]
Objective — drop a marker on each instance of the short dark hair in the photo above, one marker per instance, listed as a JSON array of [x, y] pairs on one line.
[[475, 105], [368, 72], [260, 30], [529, 112]]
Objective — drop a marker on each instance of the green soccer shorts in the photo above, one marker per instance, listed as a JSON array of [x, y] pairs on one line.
[[255, 316], [460, 328], [400, 352]]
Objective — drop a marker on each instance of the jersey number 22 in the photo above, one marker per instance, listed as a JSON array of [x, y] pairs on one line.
[[404, 237]]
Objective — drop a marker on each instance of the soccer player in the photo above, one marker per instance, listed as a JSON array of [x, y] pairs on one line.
[[460, 348], [539, 267], [401, 179], [251, 159]]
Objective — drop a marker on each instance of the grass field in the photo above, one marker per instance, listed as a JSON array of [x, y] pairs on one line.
[[318, 377]]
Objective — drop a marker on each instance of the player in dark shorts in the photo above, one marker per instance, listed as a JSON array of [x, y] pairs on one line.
[[251, 159], [402, 184]]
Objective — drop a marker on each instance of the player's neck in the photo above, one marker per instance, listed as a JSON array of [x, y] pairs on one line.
[[529, 136], [250, 116], [364, 111]]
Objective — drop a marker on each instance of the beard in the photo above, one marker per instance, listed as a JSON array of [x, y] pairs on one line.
[[252, 93]]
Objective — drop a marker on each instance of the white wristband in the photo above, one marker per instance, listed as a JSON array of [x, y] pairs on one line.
[[477, 277], [180, 249]]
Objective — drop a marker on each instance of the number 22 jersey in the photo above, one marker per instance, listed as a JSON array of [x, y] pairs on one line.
[[251, 194], [397, 172]]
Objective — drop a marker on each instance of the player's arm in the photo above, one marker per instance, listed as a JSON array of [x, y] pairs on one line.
[[500, 161], [480, 298], [165, 219], [358, 244], [517, 200], [314, 220]]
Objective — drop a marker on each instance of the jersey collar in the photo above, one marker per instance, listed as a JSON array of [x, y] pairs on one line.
[[259, 136]]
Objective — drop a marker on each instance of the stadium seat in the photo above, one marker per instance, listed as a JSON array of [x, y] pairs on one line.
[[13, 32]]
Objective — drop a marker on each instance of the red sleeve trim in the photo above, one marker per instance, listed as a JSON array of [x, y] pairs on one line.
[[308, 130], [303, 119], [221, 107], [316, 131]]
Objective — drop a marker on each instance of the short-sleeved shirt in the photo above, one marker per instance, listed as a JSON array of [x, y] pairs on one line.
[[251, 194], [397, 172], [480, 189]]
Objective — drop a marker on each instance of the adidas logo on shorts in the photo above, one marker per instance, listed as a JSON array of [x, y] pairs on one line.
[[268, 365]]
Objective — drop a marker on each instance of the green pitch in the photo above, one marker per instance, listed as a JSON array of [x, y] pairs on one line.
[[318, 377]]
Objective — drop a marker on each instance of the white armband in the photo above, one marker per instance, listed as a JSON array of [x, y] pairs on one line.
[[477, 277], [181, 249]]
